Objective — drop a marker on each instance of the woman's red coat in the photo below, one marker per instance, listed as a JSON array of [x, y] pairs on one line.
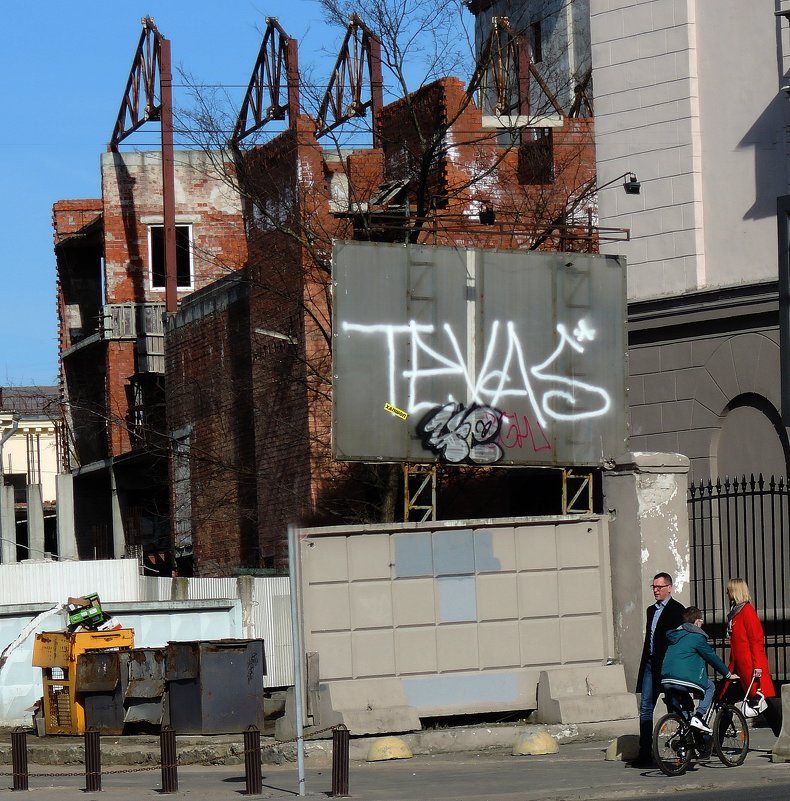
[[747, 650]]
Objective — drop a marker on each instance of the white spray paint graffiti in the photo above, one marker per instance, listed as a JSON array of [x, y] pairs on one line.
[[568, 399]]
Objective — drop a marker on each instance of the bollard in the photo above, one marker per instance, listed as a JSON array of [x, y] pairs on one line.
[[92, 761], [167, 750], [340, 739], [19, 758], [252, 760]]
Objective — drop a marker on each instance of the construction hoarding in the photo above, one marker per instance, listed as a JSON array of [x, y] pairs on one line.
[[478, 356]]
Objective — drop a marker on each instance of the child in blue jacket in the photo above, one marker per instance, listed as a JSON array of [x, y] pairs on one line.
[[685, 665]]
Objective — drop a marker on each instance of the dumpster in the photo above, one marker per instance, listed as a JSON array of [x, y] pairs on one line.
[[215, 686], [124, 692], [56, 653]]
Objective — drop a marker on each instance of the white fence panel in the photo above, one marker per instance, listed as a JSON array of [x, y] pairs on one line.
[[53, 582], [271, 614]]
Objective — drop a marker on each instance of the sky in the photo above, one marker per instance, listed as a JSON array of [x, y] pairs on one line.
[[63, 71]]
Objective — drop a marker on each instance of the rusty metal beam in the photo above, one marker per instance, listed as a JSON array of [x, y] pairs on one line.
[[264, 100], [168, 175], [151, 71], [360, 53], [141, 86]]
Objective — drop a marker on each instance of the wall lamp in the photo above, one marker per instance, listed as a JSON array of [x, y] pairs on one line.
[[631, 184]]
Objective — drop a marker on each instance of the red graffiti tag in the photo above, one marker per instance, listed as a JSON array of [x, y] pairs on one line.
[[516, 430]]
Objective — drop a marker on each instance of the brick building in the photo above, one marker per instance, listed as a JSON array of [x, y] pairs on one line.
[[248, 359], [110, 274]]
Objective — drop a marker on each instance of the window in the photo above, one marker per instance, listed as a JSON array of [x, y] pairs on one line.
[[156, 252]]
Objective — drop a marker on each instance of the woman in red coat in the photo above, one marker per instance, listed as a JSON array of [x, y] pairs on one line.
[[747, 650]]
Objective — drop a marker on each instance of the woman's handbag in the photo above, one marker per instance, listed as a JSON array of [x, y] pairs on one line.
[[752, 707]]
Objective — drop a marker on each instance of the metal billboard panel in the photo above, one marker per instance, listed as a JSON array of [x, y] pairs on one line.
[[478, 356]]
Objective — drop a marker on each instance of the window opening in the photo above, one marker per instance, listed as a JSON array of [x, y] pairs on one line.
[[156, 239]]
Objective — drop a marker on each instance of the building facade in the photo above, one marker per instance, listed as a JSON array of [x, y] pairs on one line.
[[31, 443], [110, 269]]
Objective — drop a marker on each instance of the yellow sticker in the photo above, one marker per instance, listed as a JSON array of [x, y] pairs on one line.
[[388, 407]]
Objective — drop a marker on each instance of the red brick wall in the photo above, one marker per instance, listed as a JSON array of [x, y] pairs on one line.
[[132, 200], [209, 388]]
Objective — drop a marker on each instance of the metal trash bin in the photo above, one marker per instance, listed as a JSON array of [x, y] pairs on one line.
[[215, 686], [124, 692]]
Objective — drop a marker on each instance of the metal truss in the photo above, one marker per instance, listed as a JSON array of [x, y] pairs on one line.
[[359, 54], [267, 97], [577, 492], [151, 70], [419, 492]]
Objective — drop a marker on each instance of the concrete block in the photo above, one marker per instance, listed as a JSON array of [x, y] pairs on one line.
[[623, 748], [590, 709], [535, 743], [781, 750], [584, 695], [364, 706]]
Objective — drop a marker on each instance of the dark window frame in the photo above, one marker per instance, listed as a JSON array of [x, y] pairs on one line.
[[156, 256]]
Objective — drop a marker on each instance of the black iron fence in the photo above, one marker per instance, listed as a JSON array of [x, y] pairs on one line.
[[741, 527]]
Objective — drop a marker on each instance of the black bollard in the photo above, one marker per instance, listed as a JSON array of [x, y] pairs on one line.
[[167, 750], [340, 739], [19, 758], [252, 760], [92, 761]]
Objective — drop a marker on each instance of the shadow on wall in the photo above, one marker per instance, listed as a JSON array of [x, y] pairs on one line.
[[768, 183]]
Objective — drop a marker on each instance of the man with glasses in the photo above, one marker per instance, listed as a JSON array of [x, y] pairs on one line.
[[662, 616]]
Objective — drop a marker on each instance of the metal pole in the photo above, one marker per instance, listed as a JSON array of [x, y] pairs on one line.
[[340, 739], [92, 761], [296, 634], [168, 759], [19, 758], [168, 176], [252, 760]]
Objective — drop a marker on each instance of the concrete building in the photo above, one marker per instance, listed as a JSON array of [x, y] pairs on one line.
[[31, 442]]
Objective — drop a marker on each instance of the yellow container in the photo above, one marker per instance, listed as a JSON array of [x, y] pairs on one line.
[[56, 652]]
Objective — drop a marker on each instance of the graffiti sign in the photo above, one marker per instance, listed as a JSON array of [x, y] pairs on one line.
[[458, 435], [494, 357]]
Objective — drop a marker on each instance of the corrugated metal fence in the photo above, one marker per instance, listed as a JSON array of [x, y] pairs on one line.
[[265, 602]]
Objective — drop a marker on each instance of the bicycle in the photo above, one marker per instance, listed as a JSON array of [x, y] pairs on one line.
[[676, 742]]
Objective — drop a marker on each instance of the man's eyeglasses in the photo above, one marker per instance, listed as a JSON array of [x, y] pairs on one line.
[[659, 586]]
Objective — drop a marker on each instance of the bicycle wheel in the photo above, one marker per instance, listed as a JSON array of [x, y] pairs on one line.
[[672, 748], [730, 736]]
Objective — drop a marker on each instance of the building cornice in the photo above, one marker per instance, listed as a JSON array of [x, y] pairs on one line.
[[742, 306]]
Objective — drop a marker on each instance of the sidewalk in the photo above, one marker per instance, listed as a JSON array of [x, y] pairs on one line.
[[578, 772]]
